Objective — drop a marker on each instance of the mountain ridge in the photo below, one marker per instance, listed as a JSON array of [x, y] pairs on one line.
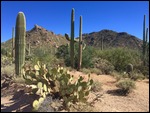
[[39, 36]]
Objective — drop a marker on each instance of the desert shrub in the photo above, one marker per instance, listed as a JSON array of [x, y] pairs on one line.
[[3, 51], [97, 86], [8, 70], [86, 70], [96, 70], [6, 61], [136, 76], [62, 51], [28, 58], [87, 55], [45, 56], [18, 80], [126, 86], [81, 107], [105, 66], [116, 75], [91, 70], [120, 57], [143, 69]]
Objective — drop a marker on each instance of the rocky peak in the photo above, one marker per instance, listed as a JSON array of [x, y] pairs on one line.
[[37, 28]]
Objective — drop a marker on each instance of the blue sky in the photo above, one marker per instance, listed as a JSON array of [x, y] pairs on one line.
[[120, 16]]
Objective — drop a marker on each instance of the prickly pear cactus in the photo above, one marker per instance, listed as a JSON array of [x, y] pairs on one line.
[[20, 33], [45, 82]]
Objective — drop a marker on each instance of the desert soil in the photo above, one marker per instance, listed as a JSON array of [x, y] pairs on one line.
[[14, 99]]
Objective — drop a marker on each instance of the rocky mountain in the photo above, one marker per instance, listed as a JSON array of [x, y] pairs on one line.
[[40, 37], [112, 39]]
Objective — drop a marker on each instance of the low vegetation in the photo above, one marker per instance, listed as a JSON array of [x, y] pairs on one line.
[[126, 86]]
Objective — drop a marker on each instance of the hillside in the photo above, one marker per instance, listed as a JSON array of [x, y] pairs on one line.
[[112, 39], [40, 37]]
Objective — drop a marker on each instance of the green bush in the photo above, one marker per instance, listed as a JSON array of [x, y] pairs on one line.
[[143, 69], [45, 56], [62, 51], [105, 66], [137, 76], [120, 57], [87, 55], [3, 51], [96, 71], [116, 75], [126, 86], [86, 70], [8, 70]]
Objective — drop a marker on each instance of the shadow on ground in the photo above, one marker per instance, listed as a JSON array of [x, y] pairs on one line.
[[20, 102], [116, 92]]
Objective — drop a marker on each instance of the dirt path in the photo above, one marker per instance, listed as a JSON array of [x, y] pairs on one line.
[[137, 101], [110, 101]]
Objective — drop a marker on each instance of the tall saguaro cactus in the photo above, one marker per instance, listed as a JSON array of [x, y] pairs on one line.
[[72, 39], [20, 33], [80, 44], [144, 42], [13, 42]]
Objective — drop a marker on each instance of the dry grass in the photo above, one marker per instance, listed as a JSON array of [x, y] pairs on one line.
[[86, 71], [81, 107], [97, 86], [8, 70], [19, 80]]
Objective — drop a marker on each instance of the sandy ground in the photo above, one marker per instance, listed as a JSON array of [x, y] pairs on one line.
[[110, 101]]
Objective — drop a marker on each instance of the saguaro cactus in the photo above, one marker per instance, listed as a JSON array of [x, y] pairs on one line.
[[147, 42], [72, 39], [13, 42], [144, 44], [129, 69], [29, 48], [80, 44], [20, 33]]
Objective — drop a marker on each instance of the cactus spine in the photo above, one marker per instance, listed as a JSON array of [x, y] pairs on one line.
[[13, 42], [80, 44], [20, 33], [72, 39]]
